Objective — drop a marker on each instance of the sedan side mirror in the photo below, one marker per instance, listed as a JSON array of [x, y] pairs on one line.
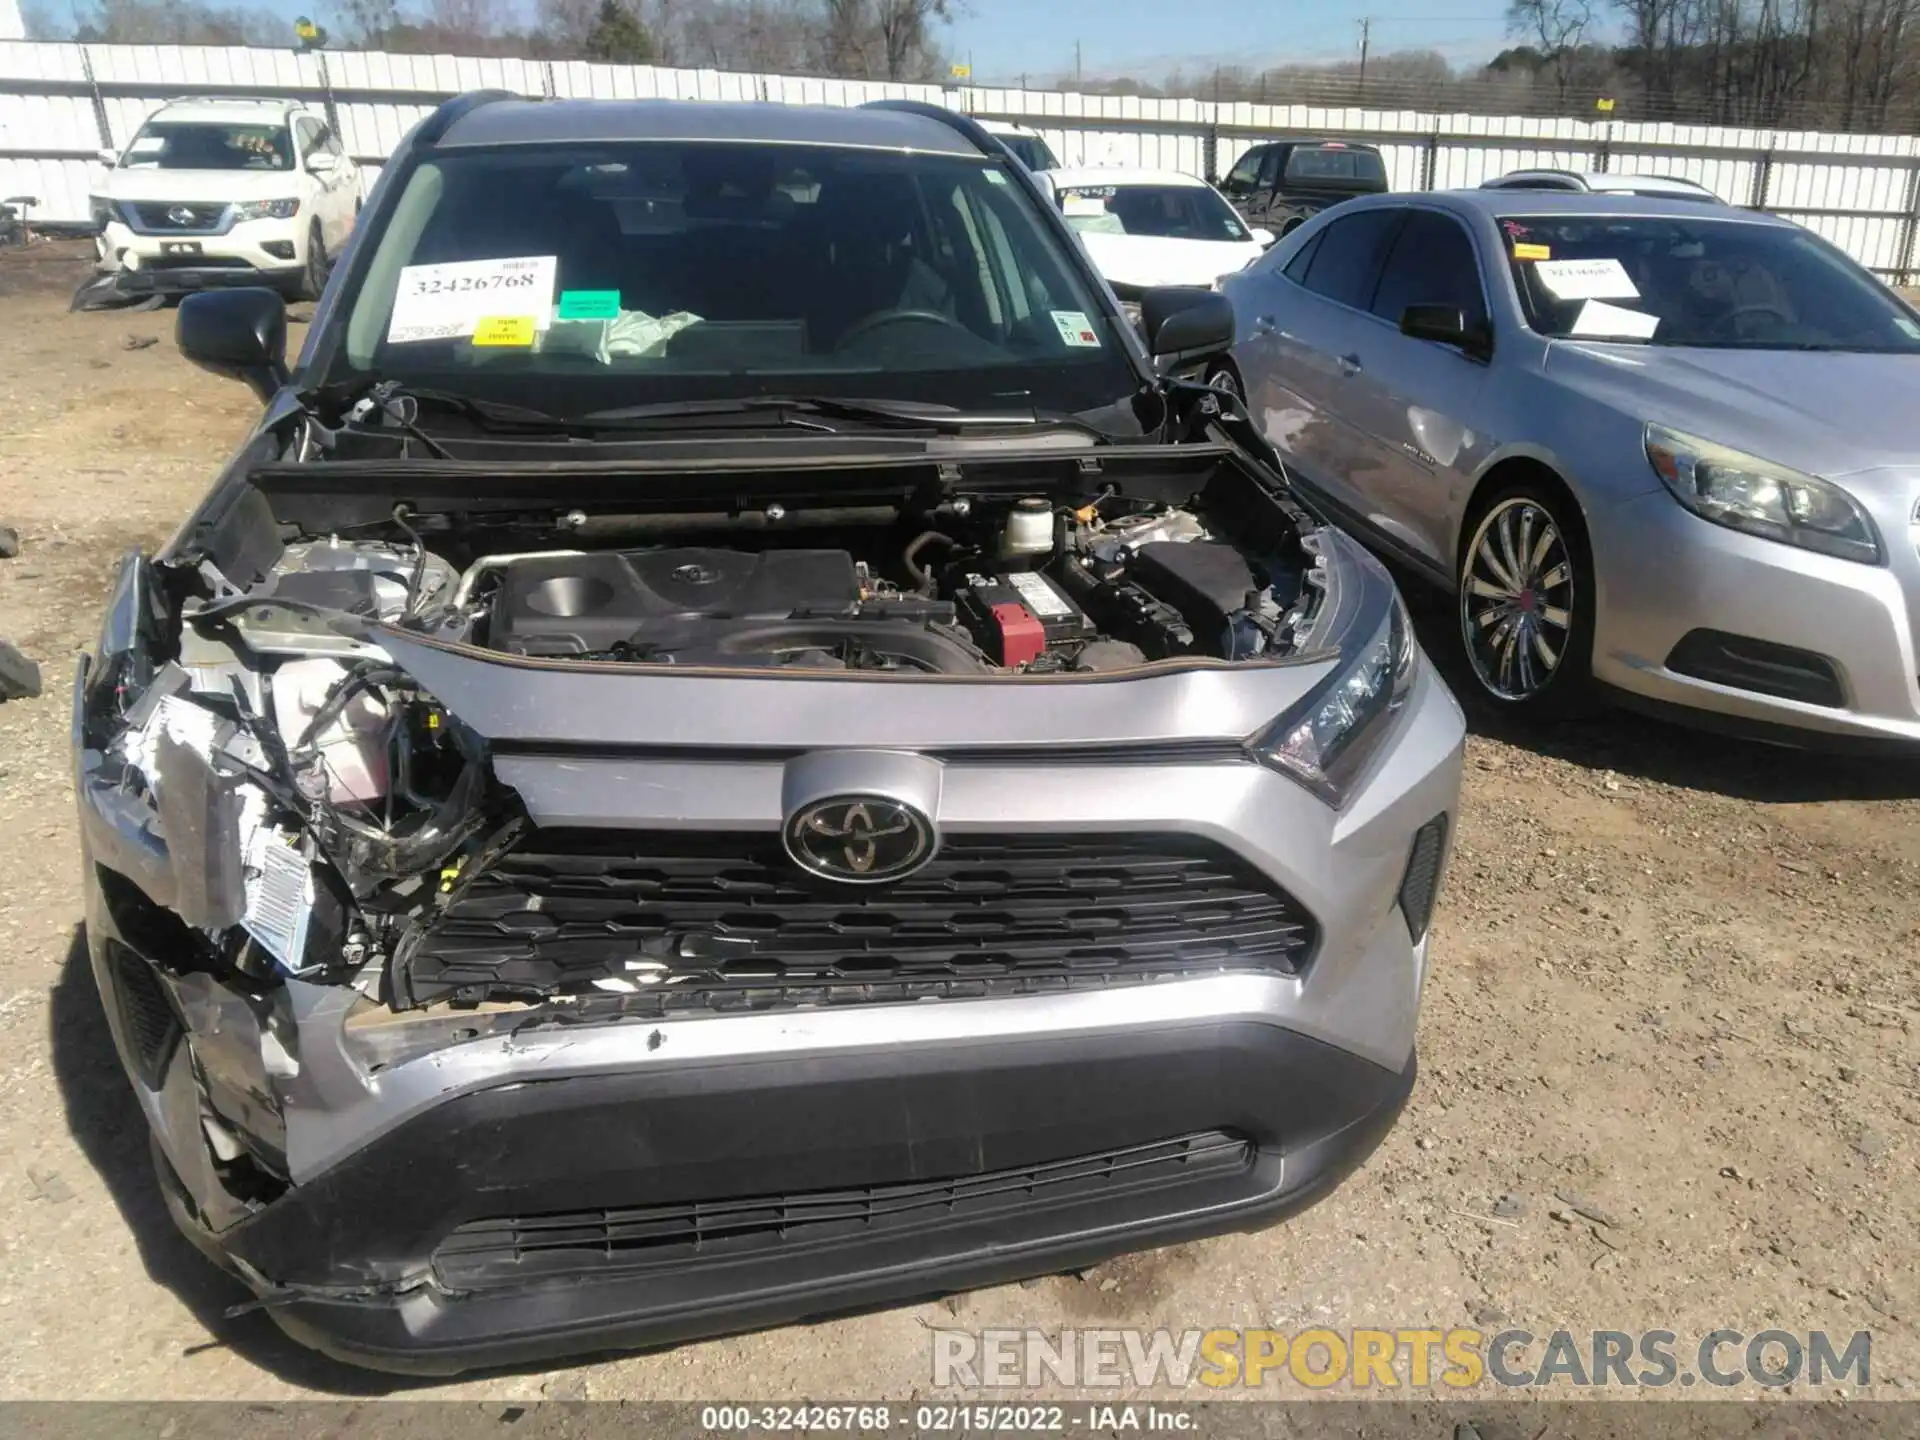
[[1446, 325], [1185, 324], [238, 335]]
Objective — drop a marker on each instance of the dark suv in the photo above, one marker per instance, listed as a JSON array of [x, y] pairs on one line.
[[1280, 186]]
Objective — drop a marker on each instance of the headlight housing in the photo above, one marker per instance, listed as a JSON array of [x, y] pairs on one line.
[[266, 209], [1744, 492], [1325, 741], [101, 211]]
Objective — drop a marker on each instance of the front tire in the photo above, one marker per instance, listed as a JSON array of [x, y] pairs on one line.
[[314, 278], [1526, 603]]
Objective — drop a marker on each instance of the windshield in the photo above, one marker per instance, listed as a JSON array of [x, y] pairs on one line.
[[1340, 165], [196, 145], [1173, 212], [580, 279], [1707, 282], [1031, 151]]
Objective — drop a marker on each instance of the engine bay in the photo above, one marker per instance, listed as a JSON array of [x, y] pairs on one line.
[[972, 588], [322, 810]]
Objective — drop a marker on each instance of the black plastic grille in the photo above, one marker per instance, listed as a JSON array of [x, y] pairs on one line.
[[729, 920], [508, 1250], [1419, 886], [1762, 666], [147, 1019]]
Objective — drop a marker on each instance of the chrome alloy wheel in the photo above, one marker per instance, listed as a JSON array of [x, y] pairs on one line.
[[1517, 599]]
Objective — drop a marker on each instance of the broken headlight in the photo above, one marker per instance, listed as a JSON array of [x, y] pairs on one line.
[[1324, 741], [1744, 492]]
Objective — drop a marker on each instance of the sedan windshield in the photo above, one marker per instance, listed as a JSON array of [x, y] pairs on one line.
[[579, 279], [1700, 282], [180, 145], [1170, 212]]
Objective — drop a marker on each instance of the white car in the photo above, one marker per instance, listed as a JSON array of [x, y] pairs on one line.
[[226, 192], [1029, 147], [1144, 228]]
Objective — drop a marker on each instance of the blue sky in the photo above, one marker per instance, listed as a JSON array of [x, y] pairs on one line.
[[1008, 37]]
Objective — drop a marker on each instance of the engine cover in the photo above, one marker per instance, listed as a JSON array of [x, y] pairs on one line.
[[589, 604]]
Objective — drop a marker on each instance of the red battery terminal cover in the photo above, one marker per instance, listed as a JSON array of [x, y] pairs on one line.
[[1022, 637]]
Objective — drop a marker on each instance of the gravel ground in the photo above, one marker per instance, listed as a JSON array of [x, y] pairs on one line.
[[1674, 979]]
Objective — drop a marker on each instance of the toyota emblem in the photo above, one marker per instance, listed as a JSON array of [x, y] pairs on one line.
[[183, 215], [860, 839]]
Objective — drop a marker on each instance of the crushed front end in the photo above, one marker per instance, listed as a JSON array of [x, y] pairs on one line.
[[539, 915]]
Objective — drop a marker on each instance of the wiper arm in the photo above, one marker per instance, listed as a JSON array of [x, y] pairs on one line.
[[401, 402], [796, 409]]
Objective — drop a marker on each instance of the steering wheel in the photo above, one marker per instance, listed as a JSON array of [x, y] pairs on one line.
[[1727, 322], [882, 318]]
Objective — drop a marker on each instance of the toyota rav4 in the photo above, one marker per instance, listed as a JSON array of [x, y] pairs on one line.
[[736, 745]]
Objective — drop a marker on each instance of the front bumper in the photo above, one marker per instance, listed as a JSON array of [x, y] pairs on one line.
[[615, 1133], [1665, 573], [143, 263], [779, 1136]]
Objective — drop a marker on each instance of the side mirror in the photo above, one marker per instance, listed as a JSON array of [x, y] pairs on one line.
[[1446, 325], [238, 335], [109, 158], [1185, 324], [1263, 235], [320, 162]]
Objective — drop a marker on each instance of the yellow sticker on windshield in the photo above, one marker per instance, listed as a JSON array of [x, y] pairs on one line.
[[503, 330], [1532, 252]]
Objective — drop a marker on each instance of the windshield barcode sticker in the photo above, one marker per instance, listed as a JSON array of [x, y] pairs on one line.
[[1603, 279], [1074, 328], [448, 302]]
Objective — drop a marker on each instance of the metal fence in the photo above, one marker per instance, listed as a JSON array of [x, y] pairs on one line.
[[60, 104]]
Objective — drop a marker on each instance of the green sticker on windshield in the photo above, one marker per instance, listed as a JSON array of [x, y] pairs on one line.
[[589, 305]]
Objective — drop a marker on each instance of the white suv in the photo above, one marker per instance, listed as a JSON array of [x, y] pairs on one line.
[[226, 192]]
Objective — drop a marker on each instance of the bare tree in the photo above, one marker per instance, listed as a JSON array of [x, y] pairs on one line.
[[1560, 26], [906, 35]]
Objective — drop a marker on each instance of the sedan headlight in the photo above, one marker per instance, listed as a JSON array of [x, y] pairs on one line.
[[1744, 492], [1326, 739], [266, 209]]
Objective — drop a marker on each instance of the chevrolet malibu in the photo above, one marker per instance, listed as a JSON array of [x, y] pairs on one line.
[[1656, 449], [731, 748]]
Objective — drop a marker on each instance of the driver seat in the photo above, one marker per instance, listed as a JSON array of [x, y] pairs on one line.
[[867, 260]]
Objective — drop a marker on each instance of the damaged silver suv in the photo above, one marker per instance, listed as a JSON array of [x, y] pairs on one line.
[[735, 747]]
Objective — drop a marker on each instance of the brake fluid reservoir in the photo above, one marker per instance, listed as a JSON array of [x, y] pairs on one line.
[[1029, 529]]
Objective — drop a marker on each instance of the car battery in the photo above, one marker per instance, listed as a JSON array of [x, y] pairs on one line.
[[1017, 617]]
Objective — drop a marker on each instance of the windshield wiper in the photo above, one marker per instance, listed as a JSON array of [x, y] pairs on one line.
[[798, 409]]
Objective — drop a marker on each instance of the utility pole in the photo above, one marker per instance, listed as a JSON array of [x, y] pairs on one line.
[[1076, 63], [1366, 34]]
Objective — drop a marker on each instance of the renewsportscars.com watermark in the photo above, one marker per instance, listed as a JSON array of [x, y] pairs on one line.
[[1380, 1360]]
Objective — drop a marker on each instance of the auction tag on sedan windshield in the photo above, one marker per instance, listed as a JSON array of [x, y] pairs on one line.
[[1604, 279], [447, 302], [1524, 251]]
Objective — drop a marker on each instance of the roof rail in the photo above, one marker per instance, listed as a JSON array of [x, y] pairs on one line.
[[280, 100], [436, 125], [953, 119]]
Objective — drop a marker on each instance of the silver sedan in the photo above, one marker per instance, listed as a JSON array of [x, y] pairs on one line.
[[1662, 450]]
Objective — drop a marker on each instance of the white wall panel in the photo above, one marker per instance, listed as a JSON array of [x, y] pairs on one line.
[[50, 122]]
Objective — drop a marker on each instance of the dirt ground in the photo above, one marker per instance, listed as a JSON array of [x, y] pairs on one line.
[[1674, 977]]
